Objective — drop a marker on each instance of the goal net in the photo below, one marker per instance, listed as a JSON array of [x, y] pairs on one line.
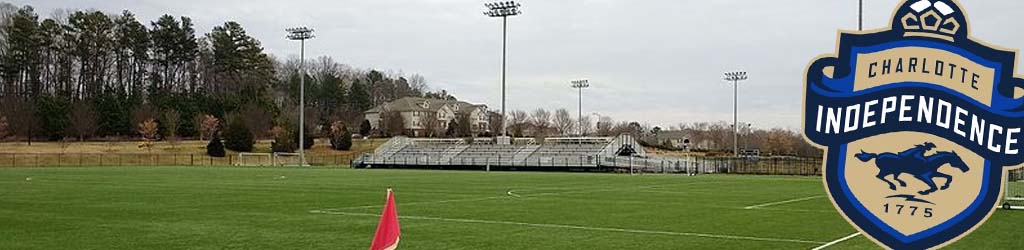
[[255, 160], [287, 159], [1014, 190]]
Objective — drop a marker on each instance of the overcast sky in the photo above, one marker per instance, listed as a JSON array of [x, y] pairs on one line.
[[656, 61]]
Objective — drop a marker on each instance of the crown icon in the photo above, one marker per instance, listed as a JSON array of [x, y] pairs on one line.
[[931, 19]]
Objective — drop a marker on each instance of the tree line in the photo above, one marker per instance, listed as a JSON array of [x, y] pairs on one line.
[[89, 74]]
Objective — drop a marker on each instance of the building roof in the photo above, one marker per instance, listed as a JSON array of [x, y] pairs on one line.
[[673, 134], [419, 104]]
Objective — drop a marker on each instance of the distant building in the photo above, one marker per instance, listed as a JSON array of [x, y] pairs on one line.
[[417, 114], [674, 138]]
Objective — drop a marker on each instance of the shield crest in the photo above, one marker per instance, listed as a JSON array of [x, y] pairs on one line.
[[919, 122]]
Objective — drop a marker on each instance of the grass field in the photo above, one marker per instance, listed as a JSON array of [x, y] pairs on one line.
[[280, 208]]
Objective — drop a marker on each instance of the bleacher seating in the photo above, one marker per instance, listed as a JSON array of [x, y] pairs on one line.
[[586, 152]]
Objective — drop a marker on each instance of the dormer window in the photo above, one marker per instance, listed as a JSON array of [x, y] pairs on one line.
[[424, 104]]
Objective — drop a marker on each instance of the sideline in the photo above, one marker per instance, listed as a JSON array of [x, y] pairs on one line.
[[783, 202], [837, 241]]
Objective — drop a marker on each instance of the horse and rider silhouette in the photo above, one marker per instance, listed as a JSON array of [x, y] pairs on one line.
[[913, 162]]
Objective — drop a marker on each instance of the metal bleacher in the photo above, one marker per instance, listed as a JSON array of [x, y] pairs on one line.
[[551, 153]]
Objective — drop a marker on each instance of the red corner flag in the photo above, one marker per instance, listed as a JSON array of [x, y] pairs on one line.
[[386, 237]]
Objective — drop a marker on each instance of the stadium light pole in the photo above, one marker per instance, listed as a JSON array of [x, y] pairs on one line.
[[580, 85], [503, 10], [301, 34], [860, 15], [735, 78]]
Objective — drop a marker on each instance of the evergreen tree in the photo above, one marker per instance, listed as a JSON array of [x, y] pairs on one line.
[[341, 138], [238, 137], [365, 128], [21, 60], [359, 97], [215, 148], [54, 114]]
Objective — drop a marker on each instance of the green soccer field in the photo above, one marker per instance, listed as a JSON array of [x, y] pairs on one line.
[[279, 208]]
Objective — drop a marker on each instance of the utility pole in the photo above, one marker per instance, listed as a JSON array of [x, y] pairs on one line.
[[580, 85], [301, 34], [735, 78], [503, 10]]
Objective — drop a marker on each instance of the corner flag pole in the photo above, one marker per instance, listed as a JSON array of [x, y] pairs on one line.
[[386, 236]]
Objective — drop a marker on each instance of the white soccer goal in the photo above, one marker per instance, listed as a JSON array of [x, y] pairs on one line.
[[287, 159], [255, 160], [1014, 190]]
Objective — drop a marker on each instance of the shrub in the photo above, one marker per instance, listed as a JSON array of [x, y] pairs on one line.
[[284, 141], [341, 138], [215, 148], [308, 140], [365, 128], [238, 137], [288, 141]]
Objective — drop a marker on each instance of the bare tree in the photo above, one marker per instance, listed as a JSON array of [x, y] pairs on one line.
[[208, 125], [83, 121], [260, 121], [64, 143], [586, 126], [23, 119], [3, 127], [143, 113], [604, 126], [148, 130], [495, 121], [564, 122], [171, 121], [781, 141], [541, 121], [621, 128], [418, 84], [393, 123], [431, 125], [518, 122]]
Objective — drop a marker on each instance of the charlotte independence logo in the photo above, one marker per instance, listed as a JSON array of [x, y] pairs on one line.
[[919, 122]]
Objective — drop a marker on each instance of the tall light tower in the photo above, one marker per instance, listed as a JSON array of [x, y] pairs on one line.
[[580, 85], [735, 78], [301, 34], [860, 15], [503, 10]]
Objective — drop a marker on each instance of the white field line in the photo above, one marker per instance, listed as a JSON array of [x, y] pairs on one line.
[[783, 202], [422, 202], [837, 241], [797, 210], [517, 196], [602, 229]]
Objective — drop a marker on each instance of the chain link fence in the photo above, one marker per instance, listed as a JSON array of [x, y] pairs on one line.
[[122, 160], [686, 165]]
